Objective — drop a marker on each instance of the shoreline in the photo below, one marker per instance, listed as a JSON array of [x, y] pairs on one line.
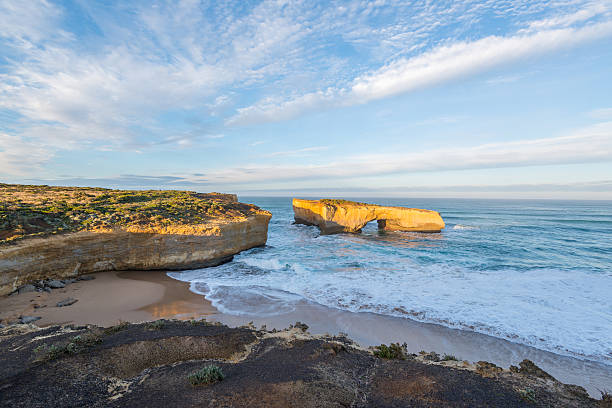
[[137, 296], [112, 297]]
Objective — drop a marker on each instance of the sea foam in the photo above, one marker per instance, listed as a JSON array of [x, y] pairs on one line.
[[524, 276]]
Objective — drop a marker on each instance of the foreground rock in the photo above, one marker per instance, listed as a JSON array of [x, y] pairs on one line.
[[56, 232], [149, 365], [334, 216], [66, 302]]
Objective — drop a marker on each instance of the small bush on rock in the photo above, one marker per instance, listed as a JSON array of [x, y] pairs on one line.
[[156, 325], [392, 351], [207, 375], [116, 328]]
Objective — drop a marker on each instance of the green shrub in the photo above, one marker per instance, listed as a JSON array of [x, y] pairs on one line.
[[207, 375], [78, 344], [116, 328], [528, 395], [449, 357], [392, 351], [432, 356], [156, 325], [606, 398]]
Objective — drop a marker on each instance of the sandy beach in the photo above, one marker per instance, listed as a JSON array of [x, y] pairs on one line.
[[111, 297], [136, 296]]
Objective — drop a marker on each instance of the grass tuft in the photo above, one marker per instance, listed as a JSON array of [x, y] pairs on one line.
[[78, 344], [156, 325], [606, 398], [393, 351], [207, 375], [116, 328], [528, 395]]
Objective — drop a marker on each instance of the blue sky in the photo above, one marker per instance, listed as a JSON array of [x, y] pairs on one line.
[[381, 98]]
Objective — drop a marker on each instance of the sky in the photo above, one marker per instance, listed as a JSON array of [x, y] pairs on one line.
[[489, 98]]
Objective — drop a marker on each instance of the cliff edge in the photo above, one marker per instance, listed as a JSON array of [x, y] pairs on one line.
[[334, 216], [156, 365], [59, 232]]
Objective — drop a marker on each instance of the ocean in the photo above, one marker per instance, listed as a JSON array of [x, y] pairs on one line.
[[533, 272]]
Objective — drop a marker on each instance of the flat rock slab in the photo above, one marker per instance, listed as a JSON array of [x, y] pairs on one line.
[[28, 319], [55, 284], [66, 302], [26, 289]]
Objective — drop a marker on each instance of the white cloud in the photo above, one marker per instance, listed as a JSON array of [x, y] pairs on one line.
[[112, 96], [591, 10], [441, 64], [587, 145], [113, 87], [602, 113], [26, 21], [19, 157], [298, 152]]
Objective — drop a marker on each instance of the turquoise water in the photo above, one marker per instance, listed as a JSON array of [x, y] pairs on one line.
[[537, 273]]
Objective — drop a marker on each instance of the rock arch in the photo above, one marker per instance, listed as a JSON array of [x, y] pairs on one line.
[[334, 216]]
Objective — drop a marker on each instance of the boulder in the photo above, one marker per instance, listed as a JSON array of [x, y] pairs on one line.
[[26, 289], [334, 216], [28, 319], [66, 302], [55, 284]]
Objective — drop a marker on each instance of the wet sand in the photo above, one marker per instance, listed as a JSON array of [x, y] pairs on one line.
[[110, 298], [370, 329], [137, 296]]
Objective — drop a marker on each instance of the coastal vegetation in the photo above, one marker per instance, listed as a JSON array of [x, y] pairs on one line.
[[77, 344], [156, 325], [392, 351], [131, 365], [33, 210], [337, 201], [207, 375]]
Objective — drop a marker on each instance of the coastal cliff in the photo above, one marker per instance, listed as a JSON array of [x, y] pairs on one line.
[[335, 216], [56, 232]]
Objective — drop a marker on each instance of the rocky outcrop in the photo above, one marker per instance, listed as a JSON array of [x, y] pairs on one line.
[[149, 365], [62, 232], [179, 247], [334, 216]]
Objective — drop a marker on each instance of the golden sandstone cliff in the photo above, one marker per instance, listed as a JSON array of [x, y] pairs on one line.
[[56, 232], [334, 216]]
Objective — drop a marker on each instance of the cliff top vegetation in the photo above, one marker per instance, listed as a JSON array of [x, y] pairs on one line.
[[37, 210]]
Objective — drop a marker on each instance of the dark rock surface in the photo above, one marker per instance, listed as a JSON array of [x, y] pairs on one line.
[[137, 366], [66, 302], [55, 284], [26, 289], [28, 319]]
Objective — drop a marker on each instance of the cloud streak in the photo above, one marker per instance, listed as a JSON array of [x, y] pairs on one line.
[[168, 78], [587, 145], [442, 64]]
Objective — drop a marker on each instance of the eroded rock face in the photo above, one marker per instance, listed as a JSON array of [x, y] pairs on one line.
[[148, 248], [334, 216]]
